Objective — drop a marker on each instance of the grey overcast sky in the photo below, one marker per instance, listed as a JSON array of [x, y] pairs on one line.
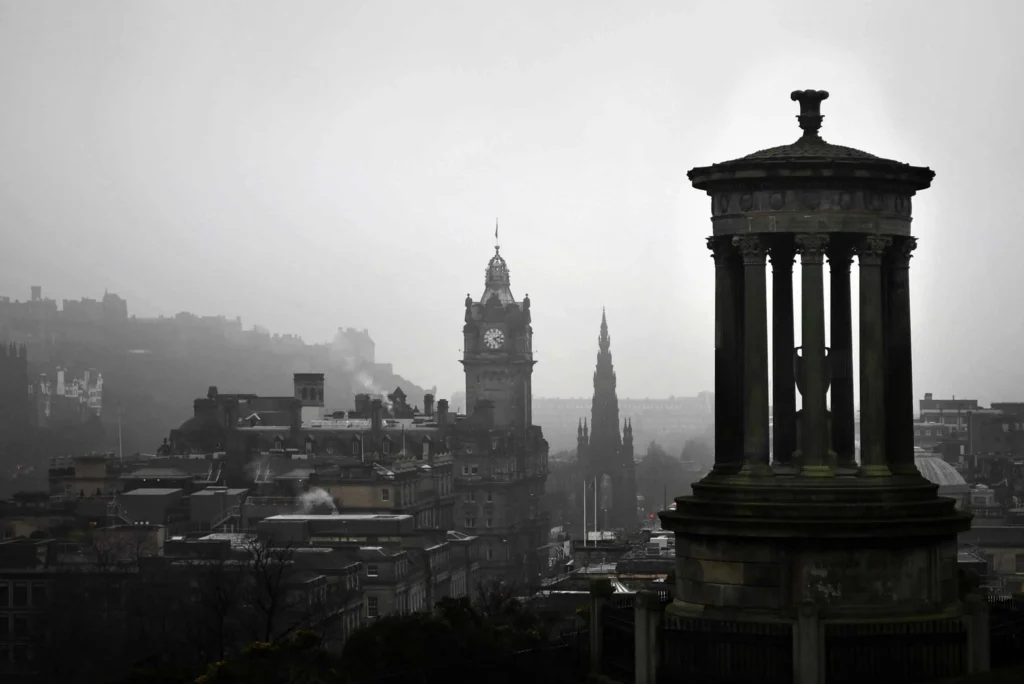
[[307, 165]]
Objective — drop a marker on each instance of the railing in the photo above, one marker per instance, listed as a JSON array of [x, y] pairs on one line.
[[225, 515], [116, 510], [619, 642], [564, 663], [289, 501], [1006, 631], [899, 652], [718, 651]]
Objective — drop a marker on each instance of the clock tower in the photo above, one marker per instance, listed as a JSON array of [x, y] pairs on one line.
[[498, 351]]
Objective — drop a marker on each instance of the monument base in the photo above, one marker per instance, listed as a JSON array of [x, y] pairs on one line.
[[819, 581]]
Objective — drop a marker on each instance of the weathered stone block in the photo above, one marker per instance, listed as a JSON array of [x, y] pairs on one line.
[[729, 595]]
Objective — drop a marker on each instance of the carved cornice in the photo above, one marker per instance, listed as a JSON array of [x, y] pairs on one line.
[[811, 248], [742, 199], [722, 250], [751, 248], [901, 253], [839, 252], [782, 250], [872, 249]]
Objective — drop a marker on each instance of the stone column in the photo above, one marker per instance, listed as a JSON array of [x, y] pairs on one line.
[[728, 359], [600, 591], [807, 646], [647, 610], [976, 620], [840, 256], [755, 356], [899, 383], [814, 416], [872, 357], [783, 385]]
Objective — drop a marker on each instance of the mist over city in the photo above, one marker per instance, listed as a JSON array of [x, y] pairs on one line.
[[387, 341]]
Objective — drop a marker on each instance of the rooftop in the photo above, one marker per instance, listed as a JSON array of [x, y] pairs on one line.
[[211, 491], [937, 471], [157, 474], [151, 491], [354, 517]]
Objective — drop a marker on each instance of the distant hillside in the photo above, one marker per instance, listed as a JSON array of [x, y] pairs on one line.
[[154, 368]]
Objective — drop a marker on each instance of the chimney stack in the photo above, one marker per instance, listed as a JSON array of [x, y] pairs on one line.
[[362, 405], [428, 405], [442, 412], [376, 411]]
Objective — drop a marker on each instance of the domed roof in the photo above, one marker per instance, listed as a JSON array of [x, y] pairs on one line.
[[498, 283], [937, 471], [808, 154], [810, 146]]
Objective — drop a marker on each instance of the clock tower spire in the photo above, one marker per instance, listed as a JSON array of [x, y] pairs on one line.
[[498, 350]]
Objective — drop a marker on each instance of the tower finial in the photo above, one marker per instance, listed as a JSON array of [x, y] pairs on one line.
[[810, 116], [497, 245], [604, 340]]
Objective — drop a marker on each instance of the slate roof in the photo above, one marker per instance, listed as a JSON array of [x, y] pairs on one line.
[[157, 474]]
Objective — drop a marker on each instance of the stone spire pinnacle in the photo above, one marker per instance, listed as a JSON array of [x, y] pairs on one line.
[[604, 341]]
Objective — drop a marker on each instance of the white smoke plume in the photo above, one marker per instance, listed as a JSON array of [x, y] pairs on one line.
[[316, 500]]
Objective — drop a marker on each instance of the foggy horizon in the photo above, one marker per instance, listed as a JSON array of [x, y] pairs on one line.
[[313, 165]]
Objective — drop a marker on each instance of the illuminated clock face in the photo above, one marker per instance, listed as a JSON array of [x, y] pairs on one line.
[[494, 338]]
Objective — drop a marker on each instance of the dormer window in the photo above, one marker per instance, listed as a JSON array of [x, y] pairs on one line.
[[278, 444], [385, 447], [426, 449]]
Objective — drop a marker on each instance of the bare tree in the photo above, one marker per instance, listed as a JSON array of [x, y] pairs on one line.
[[267, 570]]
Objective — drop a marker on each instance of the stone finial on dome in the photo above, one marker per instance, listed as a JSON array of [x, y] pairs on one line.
[[810, 116]]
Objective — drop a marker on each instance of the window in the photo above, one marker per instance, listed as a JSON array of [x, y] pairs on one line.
[[371, 570], [490, 497], [355, 447], [38, 594], [488, 553], [5, 626], [20, 595], [1019, 563], [371, 607], [490, 522], [20, 626], [5, 594], [465, 470], [472, 496], [385, 494], [470, 522], [473, 470]]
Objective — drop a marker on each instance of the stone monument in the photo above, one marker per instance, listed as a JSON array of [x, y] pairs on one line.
[[850, 567]]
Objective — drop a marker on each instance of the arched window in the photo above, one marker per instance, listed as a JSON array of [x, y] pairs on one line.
[[356, 446]]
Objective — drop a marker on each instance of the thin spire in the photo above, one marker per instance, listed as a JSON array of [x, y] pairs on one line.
[[604, 341], [497, 245]]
